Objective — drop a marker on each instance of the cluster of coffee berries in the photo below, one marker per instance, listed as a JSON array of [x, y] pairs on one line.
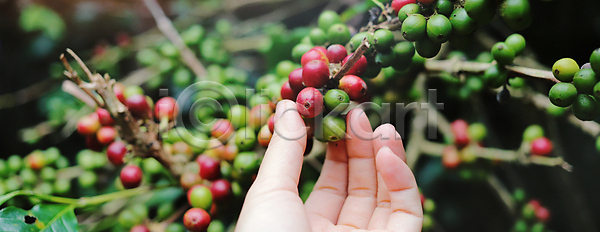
[[579, 86], [38, 171], [503, 53], [428, 211], [431, 23], [315, 92], [538, 144], [533, 216], [464, 137]]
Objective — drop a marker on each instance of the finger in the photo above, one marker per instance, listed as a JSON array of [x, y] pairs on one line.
[[281, 165], [362, 175], [329, 193], [385, 136], [407, 214], [273, 197]]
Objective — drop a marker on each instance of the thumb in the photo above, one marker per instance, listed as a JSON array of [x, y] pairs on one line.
[[284, 156]]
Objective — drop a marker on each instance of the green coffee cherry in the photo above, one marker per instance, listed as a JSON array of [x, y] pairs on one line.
[[383, 39], [62, 186], [477, 131], [595, 60], [502, 53], [87, 179], [335, 97], [338, 34], [238, 115], [48, 174], [585, 108], [439, 28], [462, 24], [408, 9], [327, 19], [533, 132], [334, 128], [14, 163], [317, 36], [482, 11], [245, 138], [246, 163], [427, 48], [495, 76], [444, 7], [562, 94], [516, 42], [414, 27], [564, 69], [28, 176], [585, 80]]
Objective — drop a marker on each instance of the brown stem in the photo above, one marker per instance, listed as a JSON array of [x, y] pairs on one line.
[[364, 45], [455, 66], [165, 25], [145, 144]]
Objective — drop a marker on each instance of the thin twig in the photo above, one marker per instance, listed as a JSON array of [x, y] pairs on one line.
[[364, 45], [165, 25], [455, 66]]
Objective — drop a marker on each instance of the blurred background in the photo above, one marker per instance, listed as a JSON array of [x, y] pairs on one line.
[[35, 113]]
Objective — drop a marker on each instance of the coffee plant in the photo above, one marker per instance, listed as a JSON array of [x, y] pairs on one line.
[[164, 127]]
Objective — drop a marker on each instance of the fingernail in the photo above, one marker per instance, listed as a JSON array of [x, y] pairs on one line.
[[279, 109]]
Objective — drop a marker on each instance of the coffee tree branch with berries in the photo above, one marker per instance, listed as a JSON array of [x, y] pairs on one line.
[[456, 78]]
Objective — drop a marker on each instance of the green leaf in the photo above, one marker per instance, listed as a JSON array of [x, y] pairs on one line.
[[46, 217], [35, 17]]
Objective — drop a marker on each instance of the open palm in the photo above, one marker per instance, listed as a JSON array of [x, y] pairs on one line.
[[364, 185]]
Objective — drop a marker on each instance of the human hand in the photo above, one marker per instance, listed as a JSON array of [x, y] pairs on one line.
[[364, 185]]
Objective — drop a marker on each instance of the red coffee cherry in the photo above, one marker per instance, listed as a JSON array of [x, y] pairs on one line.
[[119, 90], [295, 79], [104, 117], [222, 130], [116, 151], [359, 67], [309, 102], [541, 146], [196, 220], [92, 143], [315, 74], [271, 123], [131, 176], [139, 228], [450, 157], [264, 136], [106, 135], [314, 54], [542, 214], [166, 107], [398, 4], [220, 189], [210, 168], [88, 125], [138, 106], [354, 86], [460, 130], [336, 53], [287, 92], [319, 48]]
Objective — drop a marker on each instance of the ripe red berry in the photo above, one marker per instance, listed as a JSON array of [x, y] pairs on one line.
[[229, 151], [460, 130], [88, 125], [222, 130], [271, 123], [336, 53], [542, 214], [210, 168], [123, 39], [359, 67], [398, 4], [35, 160], [116, 151], [541, 146], [264, 136], [139, 228], [131, 176], [92, 143], [220, 189], [138, 105], [196, 220], [354, 86], [119, 90], [314, 54], [315, 74], [450, 157], [287, 92], [166, 107], [309, 102], [106, 135], [319, 48], [295, 79], [104, 117]]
